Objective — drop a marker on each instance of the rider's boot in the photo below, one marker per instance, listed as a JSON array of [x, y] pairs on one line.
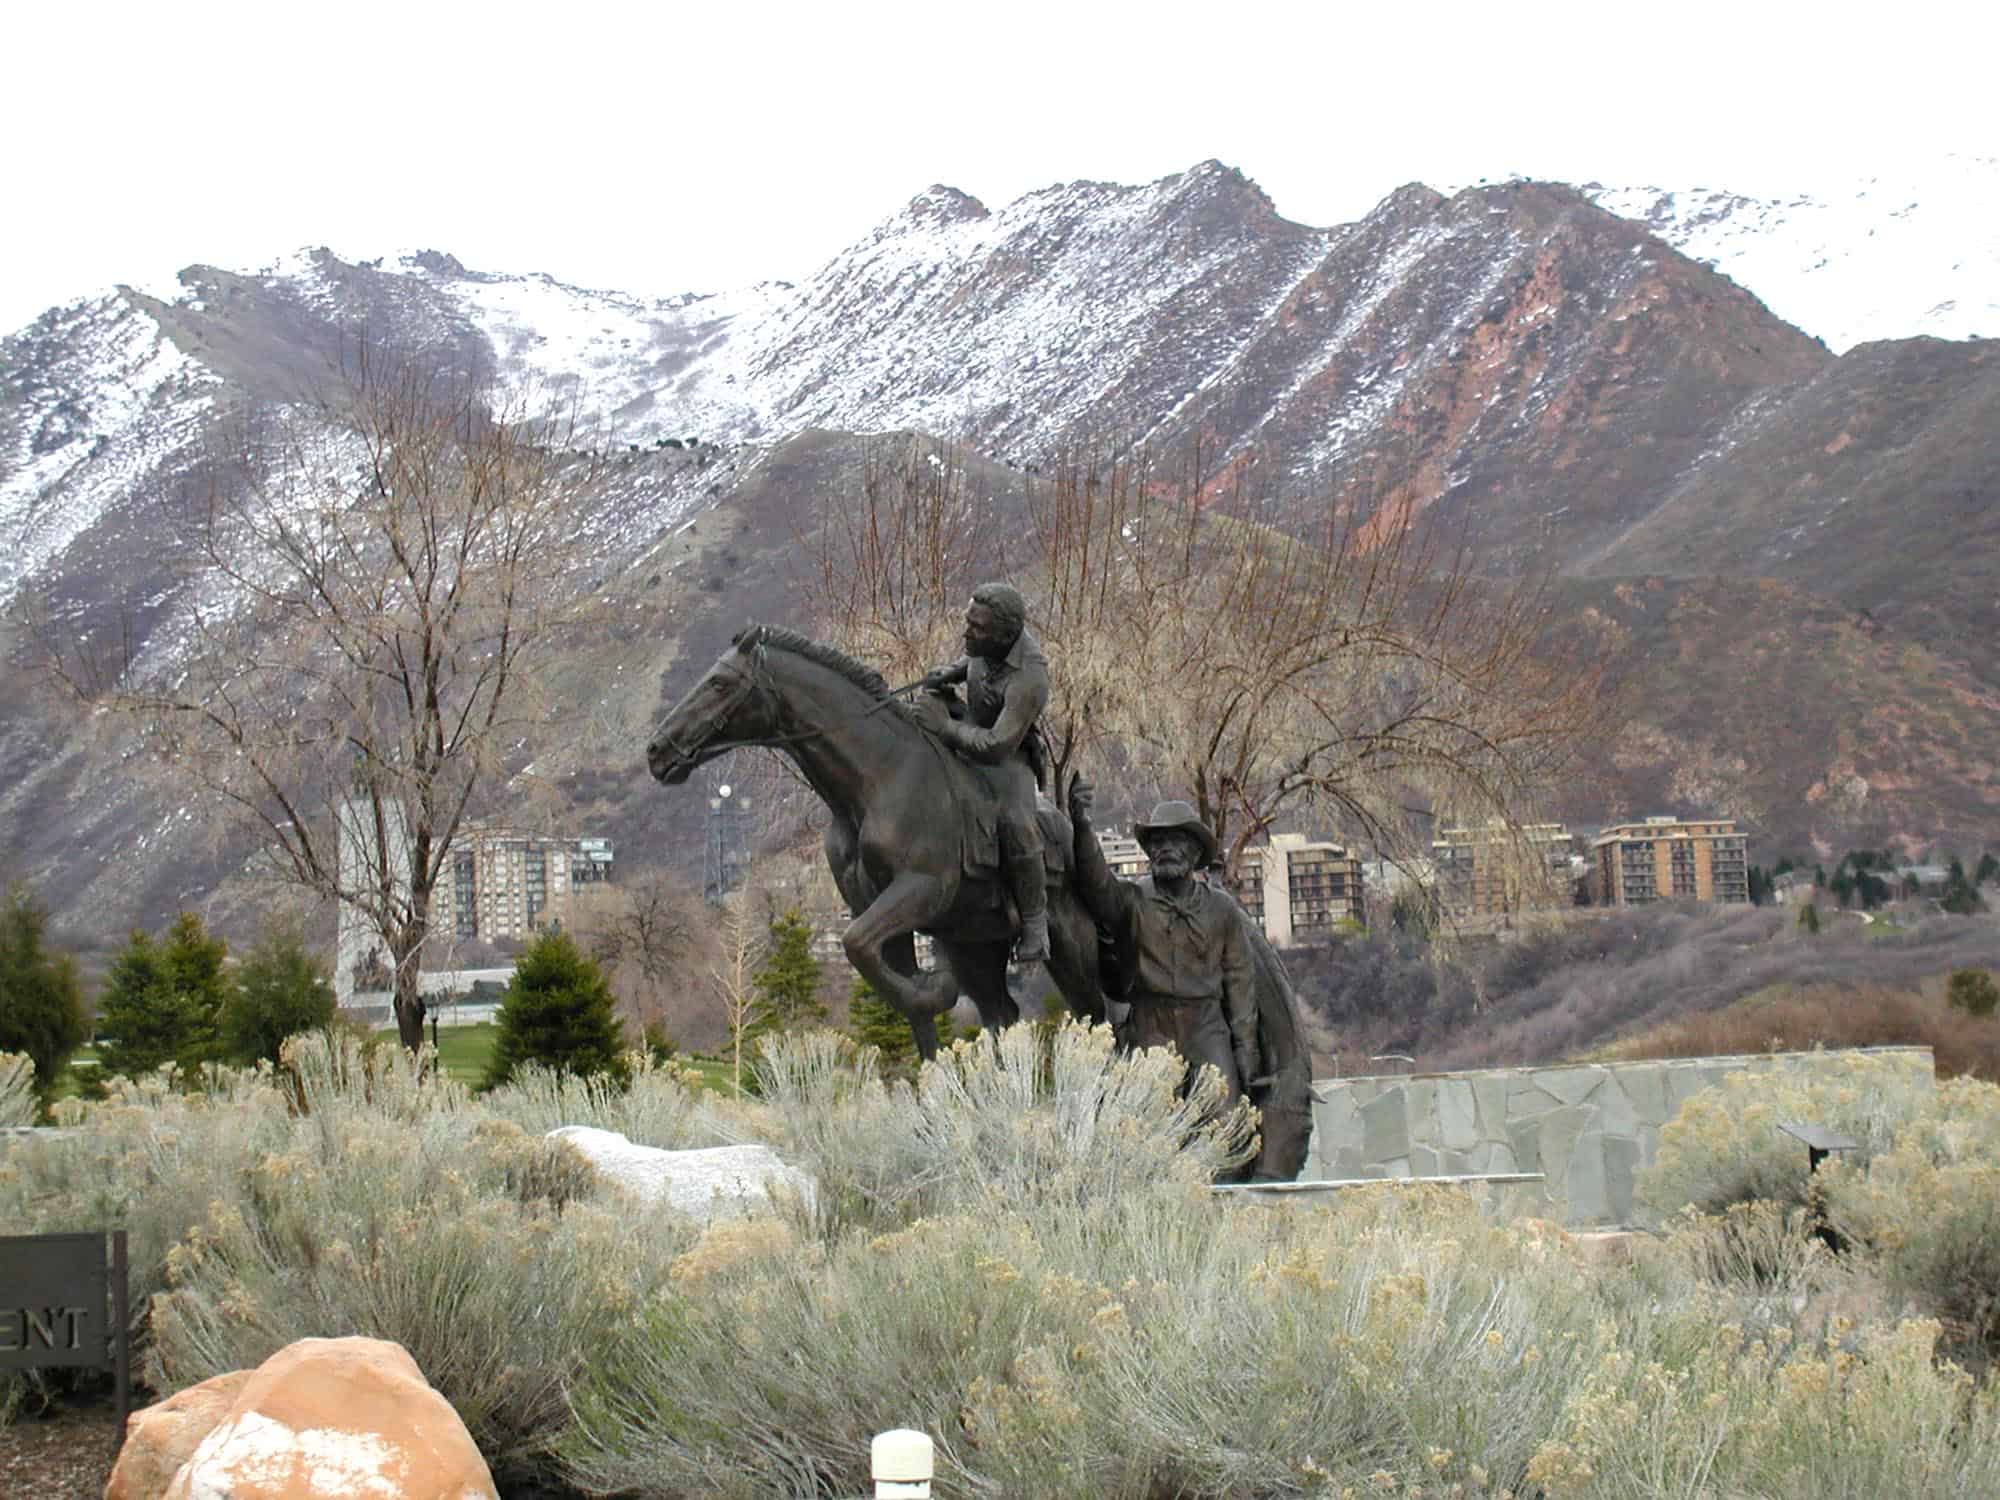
[[1031, 894]]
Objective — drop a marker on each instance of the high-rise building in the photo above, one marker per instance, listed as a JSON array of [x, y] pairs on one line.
[[1670, 859], [501, 883], [1297, 888], [1495, 872]]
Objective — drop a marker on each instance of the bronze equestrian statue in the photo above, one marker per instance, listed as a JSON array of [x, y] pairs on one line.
[[914, 844], [913, 835]]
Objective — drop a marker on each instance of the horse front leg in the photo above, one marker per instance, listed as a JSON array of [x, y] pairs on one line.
[[908, 900]]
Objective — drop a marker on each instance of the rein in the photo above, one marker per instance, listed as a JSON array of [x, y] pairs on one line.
[[747, 683]]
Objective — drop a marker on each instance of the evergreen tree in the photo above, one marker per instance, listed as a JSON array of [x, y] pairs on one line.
[[41, 998], [557, 1011], [1973, 991], [164, 1000], [1809, 918], [281, 989], [1961, 896], [788, 980], [874, 1022], [1989, 867]]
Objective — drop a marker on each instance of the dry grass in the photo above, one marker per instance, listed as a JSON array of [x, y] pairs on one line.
[[1830, 1015]]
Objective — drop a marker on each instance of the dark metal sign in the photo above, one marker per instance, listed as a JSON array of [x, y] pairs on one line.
[[62, 1302]]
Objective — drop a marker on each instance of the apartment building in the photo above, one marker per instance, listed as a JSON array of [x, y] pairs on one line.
[[1670, 859], [1297, 888], [501, 883], [1495, 872], [1127, 860]]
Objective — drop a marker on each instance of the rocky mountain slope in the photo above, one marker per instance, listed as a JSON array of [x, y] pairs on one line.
[[1731, 507]]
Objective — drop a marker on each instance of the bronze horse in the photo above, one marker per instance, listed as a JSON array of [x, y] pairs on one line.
[[897, 845], [895, 842]]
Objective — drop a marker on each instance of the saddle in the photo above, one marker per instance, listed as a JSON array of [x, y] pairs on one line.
[[980, 793]]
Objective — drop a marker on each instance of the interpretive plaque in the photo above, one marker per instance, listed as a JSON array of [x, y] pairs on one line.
[[63, 1303]]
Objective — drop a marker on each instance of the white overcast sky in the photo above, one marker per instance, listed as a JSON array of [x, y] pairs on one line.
[[661, 149]]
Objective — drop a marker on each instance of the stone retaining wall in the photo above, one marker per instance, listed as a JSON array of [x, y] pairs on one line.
[[1589, 1127]]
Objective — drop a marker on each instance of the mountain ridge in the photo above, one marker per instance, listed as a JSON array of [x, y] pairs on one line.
[[1580, 396]]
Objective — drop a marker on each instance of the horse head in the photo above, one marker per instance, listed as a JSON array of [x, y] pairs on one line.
[[729, 708]]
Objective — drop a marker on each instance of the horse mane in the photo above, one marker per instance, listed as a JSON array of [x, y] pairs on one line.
[[831, 657]]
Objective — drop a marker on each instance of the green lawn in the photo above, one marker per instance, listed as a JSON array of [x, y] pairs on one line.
[[464, 1050]]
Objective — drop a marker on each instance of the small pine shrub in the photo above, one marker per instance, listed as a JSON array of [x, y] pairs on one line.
[[281, 989], [1973, 991], [874, 1022], [558, 1012], [163, 1002], [41, 997]]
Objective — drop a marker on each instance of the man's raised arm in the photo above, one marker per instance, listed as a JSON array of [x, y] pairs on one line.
[[1101, 892]]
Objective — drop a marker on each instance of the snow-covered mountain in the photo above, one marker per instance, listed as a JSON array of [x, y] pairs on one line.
[[1884, 256]]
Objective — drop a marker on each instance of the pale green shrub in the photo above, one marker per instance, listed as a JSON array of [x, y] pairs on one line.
[[17, 1089], [1029, 1116], [443, 1235], [1767, 1418], [1927, 1213], [1724, 1146], [148, 1159], [1165, 1343]]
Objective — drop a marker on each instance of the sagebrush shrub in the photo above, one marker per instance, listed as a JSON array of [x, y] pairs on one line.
[[1724, 1146], [659, 1107], [394, 1206], [1927, 1214]]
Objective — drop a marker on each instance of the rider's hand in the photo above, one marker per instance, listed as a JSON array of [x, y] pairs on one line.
[[932, 713], [1081, 795]]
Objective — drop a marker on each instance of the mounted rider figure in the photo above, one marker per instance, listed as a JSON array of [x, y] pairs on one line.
[[1006, 681]]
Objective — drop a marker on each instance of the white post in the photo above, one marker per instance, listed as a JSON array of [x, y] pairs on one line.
[[900, 1461]]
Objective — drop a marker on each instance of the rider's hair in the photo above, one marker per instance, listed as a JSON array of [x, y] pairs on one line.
[[1006, 603]]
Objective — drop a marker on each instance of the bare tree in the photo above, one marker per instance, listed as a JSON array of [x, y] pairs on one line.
[[645, 926], [735, 977], [373, 572], [1351, 670]]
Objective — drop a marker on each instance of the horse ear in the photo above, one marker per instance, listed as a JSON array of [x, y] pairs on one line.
[[744, 634]]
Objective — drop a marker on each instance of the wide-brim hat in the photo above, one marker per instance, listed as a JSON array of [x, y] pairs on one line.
[[1171, 817]]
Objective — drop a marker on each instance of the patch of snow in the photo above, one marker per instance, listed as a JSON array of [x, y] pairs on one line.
[[1881, 257]]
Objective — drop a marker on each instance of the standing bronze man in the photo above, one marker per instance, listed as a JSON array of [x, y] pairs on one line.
[[1006, 681], [1182, 946]]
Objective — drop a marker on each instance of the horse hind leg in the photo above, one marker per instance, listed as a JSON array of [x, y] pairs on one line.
[[982, 971]]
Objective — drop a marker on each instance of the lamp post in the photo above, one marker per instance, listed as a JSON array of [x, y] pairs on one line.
[[724, 854]]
